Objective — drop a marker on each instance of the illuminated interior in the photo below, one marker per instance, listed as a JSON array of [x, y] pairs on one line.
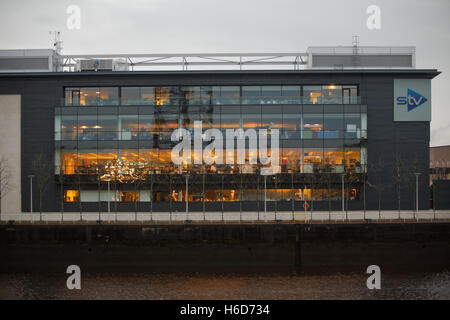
[[71, 196], [131, 147]]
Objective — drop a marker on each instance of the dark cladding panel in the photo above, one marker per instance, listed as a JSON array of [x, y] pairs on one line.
[[376, 61]]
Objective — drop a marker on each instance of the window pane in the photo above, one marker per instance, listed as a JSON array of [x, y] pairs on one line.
[[270, 94], [332, 94], [290, 161], [350, 94], [107, 127], [68, 161], [72, 96], [147, 96], [87, 127], [129, 127], [147, 127], [89, 96], [312, 159], [333, 126], [312, 94], [230, 95], [166, 96], [87, 162], [334, 159], [109, 96], [251, 94], [71, 196], [352, 158], [191, 95], [291, 94], [312, 126], [68, 127], [352, 126], [206, 95], [131, 96]]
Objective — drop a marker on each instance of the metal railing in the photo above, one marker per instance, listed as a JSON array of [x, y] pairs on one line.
[[192, 61], [176, 101], [230, 217]]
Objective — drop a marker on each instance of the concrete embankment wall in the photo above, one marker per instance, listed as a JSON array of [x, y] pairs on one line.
[[225, 248]]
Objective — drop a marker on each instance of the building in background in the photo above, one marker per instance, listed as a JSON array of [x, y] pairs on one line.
[[351, 118], [439, 163], [440, 177]]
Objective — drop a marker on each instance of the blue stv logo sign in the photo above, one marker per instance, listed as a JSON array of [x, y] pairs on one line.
[[412, 100]]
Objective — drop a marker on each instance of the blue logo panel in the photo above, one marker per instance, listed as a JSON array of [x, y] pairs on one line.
[[412, 99], [415, 99]]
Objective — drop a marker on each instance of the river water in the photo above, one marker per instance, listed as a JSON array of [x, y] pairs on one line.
[[419, 285]]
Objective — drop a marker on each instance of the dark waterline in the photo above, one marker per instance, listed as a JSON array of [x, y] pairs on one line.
[[410, 285]]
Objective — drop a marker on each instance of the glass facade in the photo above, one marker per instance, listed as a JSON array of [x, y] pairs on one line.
[[211, 95], [123, 135]]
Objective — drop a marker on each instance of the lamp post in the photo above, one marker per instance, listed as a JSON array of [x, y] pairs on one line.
[[265, 172], [343, 193], [109, 200], [417, 174], [31, 176], [187, 195], [265, 198]]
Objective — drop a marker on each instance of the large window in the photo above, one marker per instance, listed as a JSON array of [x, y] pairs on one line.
[[333, 126], [332, 94], [92, 96], [312, 126], [312, 94], [212, 95], [132, 143], [71, 195]]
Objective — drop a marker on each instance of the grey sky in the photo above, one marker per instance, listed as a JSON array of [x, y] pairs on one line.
[[180, 26]]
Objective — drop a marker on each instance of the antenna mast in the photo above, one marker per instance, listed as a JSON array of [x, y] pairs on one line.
[[57, 48]]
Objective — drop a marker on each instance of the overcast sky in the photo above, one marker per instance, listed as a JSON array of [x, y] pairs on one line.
[[207, 26]]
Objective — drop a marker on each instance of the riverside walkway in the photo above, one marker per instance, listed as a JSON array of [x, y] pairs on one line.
[[245, 217]]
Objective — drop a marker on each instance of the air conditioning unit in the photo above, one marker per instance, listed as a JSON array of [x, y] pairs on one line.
[[102, 65]]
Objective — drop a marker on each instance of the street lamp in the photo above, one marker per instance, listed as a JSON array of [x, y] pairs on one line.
[[109, 200], [187, 195], [343, 192], [265, 198], [31, 176], [265, 172], [417, 174]]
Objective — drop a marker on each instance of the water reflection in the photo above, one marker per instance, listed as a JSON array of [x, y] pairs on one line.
[[225, 286]]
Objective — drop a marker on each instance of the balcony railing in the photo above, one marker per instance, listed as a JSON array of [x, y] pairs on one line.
[[161, 137], [175, 101]]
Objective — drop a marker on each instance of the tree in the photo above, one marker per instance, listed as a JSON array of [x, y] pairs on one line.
[[78, 173], [61, 185], [399, 177], [42, 168], [363, 175], [151, 182], [349, 181], [311, 180], [292, 193], [5, 178], [410, 178], [375, 180], [328, 178], [137, 178]]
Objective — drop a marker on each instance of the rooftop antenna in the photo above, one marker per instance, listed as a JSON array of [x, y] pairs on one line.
[[355, 58], [57, 43], [355, 43], [57, 48]]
